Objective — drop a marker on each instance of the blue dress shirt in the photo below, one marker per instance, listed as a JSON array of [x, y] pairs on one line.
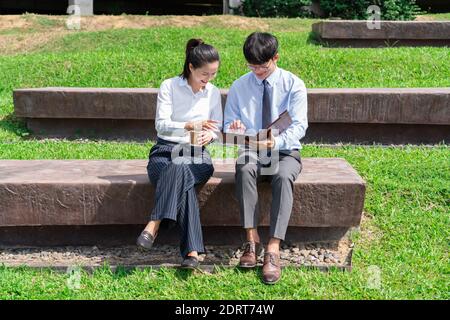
[[286, 91]]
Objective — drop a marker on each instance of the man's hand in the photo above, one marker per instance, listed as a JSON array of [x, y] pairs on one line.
[[238, 126], [202, 125], [268, 143]]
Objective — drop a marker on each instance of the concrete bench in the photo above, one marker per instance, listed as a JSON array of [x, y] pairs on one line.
[[388, 116], [349, 33], [71, 197]]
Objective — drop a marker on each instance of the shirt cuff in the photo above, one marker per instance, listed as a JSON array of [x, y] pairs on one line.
[[214, 135], [278, 143], [177, 125]]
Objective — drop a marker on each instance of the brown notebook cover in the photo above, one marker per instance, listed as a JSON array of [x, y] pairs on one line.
[[281, 124]]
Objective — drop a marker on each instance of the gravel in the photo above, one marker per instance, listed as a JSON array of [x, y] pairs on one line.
[[292, 254]]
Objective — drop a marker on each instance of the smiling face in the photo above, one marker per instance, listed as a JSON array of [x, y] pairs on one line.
[[264, 70], [199, 77]]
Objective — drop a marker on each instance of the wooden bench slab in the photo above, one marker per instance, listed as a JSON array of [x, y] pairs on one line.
[[420, 115], [328, 193], [354, 33]]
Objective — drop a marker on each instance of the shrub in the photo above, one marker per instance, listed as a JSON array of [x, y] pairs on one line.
[[276, 8], [357, 9]]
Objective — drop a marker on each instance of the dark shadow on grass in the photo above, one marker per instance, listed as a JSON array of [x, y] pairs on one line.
[[15, 125], [122, 272], [314, 39], [184, 274], [180, 273], [119, 272]]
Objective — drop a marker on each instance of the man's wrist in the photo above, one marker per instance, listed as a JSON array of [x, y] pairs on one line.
[[276, 143]]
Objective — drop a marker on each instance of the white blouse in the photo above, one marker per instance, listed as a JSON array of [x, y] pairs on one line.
[[178, 104]]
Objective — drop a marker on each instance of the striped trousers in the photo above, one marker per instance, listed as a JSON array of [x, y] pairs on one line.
[[174, 179]]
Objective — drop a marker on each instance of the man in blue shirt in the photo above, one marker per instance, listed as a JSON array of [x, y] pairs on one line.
[[254, 101]]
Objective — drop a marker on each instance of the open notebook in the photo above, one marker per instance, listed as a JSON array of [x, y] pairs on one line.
[[283, 122]]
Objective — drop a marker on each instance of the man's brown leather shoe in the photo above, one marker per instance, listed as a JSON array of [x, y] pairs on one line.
[[271, 269], [251, 251]]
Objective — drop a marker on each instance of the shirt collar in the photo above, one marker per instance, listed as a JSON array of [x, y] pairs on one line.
[[183, 83], [270, 79]]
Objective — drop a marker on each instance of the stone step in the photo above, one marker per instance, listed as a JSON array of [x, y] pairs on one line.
[[352, 33], [387, 116], [328, 193]]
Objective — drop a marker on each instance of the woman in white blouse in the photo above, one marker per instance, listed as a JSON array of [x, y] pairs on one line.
[[186, 103]]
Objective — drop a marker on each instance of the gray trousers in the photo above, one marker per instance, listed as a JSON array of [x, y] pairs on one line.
[[282, 173]]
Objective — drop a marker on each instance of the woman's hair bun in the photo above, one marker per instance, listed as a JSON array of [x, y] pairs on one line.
[[198, 54], [192, 43]]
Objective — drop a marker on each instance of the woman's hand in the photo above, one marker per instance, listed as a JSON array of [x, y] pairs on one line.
[[204, 137], [238, 126], [202, 125]]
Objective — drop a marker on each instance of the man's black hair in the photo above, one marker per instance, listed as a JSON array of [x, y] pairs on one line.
[[260, 47]]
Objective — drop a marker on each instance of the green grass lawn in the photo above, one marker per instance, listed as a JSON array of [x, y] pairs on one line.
[[145, 57], [405, 232]]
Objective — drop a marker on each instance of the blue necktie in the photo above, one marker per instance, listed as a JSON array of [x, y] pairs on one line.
[[266, 112], [266, 120]]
